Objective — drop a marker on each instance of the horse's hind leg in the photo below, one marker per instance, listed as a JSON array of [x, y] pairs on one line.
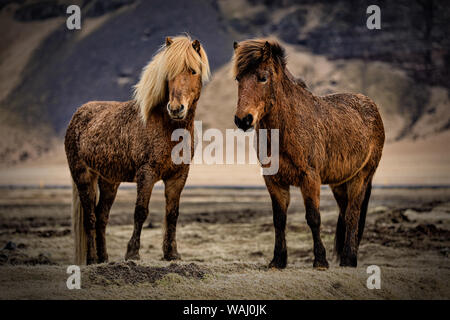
[[364, 207], [86, 183], [145, 181], [311, 196], [340, 194], [173, 188], [356, 191], [108, 193], [280, 202]]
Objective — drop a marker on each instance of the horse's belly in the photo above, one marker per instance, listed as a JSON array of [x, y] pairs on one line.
[[113, 171], [342, 169], [112, 166]]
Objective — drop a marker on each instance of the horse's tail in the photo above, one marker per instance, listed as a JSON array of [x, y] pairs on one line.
[[78, 227], [364, 206]]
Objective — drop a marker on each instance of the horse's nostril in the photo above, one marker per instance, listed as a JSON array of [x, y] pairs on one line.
[[249, 120], [181, 108], [244, 123]]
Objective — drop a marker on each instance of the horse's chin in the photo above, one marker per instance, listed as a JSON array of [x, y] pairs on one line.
[[178, 117], [247, 129]]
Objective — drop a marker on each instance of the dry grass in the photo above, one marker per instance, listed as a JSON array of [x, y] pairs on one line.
[[225, 238]]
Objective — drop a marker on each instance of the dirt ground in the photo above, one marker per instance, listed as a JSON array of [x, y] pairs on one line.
[[225, 238]]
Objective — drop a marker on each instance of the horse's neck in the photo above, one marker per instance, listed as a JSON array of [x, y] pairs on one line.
[[291, 102]]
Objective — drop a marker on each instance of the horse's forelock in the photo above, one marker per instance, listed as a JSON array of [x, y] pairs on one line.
[[168, 62], [182, 55], [250, 53]]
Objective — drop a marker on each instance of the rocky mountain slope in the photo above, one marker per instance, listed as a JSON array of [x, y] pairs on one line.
[[47, 71]]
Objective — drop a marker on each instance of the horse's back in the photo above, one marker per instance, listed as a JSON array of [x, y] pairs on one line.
[[356, 101], [355, 135], [92, 110], [358, 107], [96, 135], [90, 119]]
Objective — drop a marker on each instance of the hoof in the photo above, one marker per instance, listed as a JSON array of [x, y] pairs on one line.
[[132, 256], [103, 259], [91, 258], [321, 265], [349, 262], [278, 264], [172, 256]]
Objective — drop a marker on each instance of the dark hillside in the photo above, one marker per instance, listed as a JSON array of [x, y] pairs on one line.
[[67, 71]]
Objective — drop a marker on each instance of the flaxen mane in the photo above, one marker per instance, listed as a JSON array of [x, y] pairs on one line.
[[166, 64]]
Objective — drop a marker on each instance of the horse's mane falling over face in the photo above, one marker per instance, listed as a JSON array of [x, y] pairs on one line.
[[167, 63], [251, 53]]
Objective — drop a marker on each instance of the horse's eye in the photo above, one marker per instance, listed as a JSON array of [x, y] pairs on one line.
[[193, 72], [262, 79]]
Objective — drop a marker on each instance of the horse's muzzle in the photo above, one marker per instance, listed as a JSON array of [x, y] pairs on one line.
[[177, 114], [245, 123]]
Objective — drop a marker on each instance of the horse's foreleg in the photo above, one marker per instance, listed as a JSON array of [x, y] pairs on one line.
[[280, 201], [173, 188], [145, 181], [108, 193], [310, 189]]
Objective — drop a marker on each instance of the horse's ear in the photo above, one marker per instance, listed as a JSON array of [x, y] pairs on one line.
[[168, 41], [196, 45], [266, 51], [235, 45]]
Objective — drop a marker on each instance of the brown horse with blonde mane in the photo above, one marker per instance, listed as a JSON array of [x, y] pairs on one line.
[[335, 139], [111, 142]]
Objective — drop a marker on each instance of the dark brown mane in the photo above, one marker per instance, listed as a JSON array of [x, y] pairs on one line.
[[250, 53], [296, 80], [301, 83]]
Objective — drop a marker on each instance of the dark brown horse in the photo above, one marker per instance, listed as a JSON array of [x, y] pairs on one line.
[[336, 139], [111, 142]]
